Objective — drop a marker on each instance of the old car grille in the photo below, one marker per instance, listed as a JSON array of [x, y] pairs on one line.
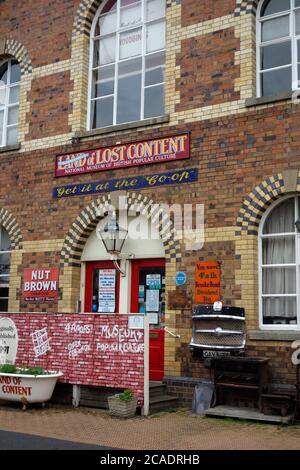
[[219, 333]]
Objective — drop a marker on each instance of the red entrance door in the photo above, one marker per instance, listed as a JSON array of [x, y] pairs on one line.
[[101, 287], [148, 296]]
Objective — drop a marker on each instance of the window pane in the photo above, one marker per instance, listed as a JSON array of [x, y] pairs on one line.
[[2, 96], [13, 115], [279, 250], [107, 51], [3, 305], [281, 219], [12, 135], [274, 6], [297, 3], [276, 28], [5, 241], [1, 125], [155, 36], [297, 20], [131, 16], [15, 74], [279, 280], [129, 91], [108, 23], [130, 43], [4, 264], [155, 68], [276, 55], [154, 101], [279, 310], [104, 81], [14, 93], [103, 112], [155, 9], [276, 81], [3, 73]]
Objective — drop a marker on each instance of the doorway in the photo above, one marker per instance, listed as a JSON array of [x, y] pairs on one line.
[[148, 296]]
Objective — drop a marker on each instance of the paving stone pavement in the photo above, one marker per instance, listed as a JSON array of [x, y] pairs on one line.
[[178, 430]]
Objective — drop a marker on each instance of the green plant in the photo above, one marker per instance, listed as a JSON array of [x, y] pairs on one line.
[[35, 370], [12, 369], [127, 395], [8, 369]]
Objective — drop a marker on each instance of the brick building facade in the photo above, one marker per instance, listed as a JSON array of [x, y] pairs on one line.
[[245, 148]]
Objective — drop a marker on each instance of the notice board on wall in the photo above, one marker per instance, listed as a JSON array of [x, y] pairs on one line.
[[207, 282]]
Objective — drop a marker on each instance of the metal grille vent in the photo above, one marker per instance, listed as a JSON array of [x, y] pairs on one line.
[[218, 332]]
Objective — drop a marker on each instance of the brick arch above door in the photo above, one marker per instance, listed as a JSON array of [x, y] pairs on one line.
[[262, 196], [87, 220]]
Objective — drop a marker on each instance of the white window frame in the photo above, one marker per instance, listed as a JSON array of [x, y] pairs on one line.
[[143, 56], [262, 236], [6, 276], [7, 105], [293, 37]]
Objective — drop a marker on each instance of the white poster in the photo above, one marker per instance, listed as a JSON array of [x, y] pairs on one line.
[[8, 341], [152, 300], [107, 291]]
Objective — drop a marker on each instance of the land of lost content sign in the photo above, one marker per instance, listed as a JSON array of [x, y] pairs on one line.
[[207, 282], [40, 285], [123, 156]]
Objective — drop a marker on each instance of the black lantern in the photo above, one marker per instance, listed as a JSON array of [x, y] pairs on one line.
[[113, 236]]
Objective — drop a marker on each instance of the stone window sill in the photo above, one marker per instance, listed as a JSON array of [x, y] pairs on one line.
[[268, 335], [10, 148], [268, 99], [121, 127]]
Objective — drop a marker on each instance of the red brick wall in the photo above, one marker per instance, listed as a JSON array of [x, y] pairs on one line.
[[205, 10], [85, 353], [207, 70], [43, 27], [50, 108]]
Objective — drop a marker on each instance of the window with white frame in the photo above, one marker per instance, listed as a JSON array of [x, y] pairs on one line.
[[279, 258], [10, 74], [127, 62], [278, 55], [5, 252]]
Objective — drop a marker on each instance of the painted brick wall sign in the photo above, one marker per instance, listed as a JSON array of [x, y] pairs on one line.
[[122, 156], [172, 177], [97, 350], [40, 285]]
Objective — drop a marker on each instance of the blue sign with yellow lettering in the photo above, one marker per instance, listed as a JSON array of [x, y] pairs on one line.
[[188, 175]]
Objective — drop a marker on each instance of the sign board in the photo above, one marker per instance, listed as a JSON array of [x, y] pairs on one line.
[[207, 282], [136, 322], [107, 291], [181, 278], [40, 285], [123, 156], [188, 175], [8, 341]]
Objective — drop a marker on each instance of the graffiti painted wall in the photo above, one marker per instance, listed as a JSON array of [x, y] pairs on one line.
[[96, 350]]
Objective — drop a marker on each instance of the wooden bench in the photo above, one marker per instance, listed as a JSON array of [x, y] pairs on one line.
[[277, 401]]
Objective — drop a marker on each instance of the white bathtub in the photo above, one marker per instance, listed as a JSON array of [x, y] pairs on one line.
[[28, 388]]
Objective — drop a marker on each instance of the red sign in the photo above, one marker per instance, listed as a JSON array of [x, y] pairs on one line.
[[40, 285], [208, 278], [122, 156]]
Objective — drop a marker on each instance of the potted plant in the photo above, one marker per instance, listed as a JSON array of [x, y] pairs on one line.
[[123, 404], [27, 384]]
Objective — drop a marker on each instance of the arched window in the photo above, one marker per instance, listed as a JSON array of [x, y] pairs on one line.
[[127, 62], [5, 251], [10, 74], [278, 55], [279, 258]]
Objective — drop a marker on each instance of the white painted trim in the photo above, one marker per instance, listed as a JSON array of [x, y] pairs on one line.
[[262, 237], [146, 366]]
